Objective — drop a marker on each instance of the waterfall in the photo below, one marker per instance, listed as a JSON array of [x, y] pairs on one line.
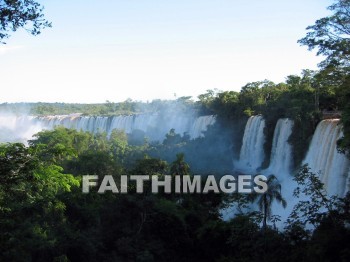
[[281, 152], [155, 125], [252, 150], [124, 123], [17, 129], [200, 125], [323, 157], [281, 165]]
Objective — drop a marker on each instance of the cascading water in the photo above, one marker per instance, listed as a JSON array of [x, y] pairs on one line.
[[17, 129], [324, 158], [200, 125], [252, 150], [252, 156], [280, 166], [155, 126], [281, 152]]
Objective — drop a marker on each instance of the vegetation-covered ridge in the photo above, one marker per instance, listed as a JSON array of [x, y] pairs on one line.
[[108, 108]]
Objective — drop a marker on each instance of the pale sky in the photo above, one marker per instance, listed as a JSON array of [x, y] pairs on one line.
[[100, 50]]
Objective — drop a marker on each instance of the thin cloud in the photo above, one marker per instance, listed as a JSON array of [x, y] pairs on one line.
[[6, 49]]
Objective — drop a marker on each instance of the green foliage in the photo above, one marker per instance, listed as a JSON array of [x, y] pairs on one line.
[[317, 204], [328, 215], [330, 35], [344, 142], [171, 138], [45, 217], [179, 167], [300, 98], [127, 107], [31, 213]]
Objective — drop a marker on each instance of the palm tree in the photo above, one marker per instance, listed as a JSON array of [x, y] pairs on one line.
[[265, 200], [179, 166]]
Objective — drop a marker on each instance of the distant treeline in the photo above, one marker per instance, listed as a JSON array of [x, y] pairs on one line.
[[126, 107]]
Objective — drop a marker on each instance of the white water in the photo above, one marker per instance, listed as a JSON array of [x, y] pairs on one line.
[[155, 126], [281, 167], [252, 156], [281, 151], [323, 157], [200, 125], [252, 150], [17, 129]]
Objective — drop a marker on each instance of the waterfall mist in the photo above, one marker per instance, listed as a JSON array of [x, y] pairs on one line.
[[154, 125], [15, 128]]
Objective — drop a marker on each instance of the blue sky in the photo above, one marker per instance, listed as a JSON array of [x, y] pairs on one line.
[[147, 49]]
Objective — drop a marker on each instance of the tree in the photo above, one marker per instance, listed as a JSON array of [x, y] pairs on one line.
[[31, 211], [265, 200], [315, 204], [172, 138], [15, 14], [179, 166], [206, 100], [331, 34]]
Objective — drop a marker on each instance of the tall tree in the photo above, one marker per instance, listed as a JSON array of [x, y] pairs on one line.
[[331, 35], [179, 166], [15, 14]]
